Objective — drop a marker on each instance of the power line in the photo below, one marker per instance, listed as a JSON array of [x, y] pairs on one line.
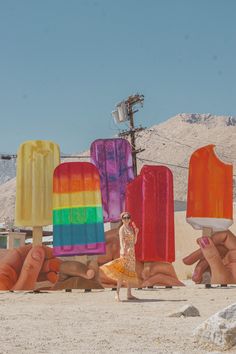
[[13, 156], [169, 139], [165, 163], [183, 144], [162, 162]]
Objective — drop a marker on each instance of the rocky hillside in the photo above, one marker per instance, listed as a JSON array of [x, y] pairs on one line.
[[7, 168], [170, 143], [7, 202]]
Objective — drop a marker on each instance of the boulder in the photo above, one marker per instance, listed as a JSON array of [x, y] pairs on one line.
[[219, 330], [186, 311]]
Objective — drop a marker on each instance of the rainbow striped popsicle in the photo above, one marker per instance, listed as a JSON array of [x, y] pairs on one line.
[[77, 210]]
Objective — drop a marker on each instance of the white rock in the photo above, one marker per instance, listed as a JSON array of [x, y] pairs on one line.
[[186, 311], [219, 330]]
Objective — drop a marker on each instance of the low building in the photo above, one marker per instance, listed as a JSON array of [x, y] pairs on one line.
[[9, 239]]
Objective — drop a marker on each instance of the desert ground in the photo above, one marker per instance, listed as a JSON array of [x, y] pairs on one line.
[[79, 322], [92, 322]]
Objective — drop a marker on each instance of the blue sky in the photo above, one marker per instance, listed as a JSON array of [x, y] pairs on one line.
[[66, 63]]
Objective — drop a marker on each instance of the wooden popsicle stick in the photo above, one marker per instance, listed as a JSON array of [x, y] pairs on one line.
[[207, 231], [37, 235]]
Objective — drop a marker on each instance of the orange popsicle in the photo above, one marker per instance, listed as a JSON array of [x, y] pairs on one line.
[[210, 191]]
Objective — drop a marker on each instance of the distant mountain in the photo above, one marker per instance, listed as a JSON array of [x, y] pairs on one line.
[[7, 202], [7, 169], [170, 143]]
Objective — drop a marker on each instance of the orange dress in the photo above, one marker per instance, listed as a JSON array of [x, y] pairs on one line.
[[123, 268]]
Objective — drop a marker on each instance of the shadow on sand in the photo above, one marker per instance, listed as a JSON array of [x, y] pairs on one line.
[[153, 300]]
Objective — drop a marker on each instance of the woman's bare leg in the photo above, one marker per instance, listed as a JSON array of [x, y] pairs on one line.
[[117, 297], [129, 293]]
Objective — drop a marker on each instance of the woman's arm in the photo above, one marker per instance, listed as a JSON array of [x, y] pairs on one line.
[[136, 231]]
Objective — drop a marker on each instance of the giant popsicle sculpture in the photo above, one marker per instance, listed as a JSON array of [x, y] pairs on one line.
[[150, 199], [77, 210], [113, 159], [36, 160], [210, 192]]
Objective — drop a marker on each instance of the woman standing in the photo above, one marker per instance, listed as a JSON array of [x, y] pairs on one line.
[[123, 269]]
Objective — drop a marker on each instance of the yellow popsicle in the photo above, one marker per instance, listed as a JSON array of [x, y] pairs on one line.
[[36, 160]]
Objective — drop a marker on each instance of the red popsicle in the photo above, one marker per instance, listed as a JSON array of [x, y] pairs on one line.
[[149, 199]]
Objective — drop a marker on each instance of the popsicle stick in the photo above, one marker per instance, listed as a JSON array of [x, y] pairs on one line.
[[37, 235], [207, 231]]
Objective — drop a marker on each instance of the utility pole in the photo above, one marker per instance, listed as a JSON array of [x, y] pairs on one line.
[[130, 102]]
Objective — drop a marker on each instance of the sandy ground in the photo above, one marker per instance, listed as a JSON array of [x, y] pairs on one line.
[[78, 322]]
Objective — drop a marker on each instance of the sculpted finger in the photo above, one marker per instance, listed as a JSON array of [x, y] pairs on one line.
[[15, 257], [42, 277], [193, 257], [48, 252], [212, 256], [230, 258], [30, 270], [200, 268], [8, 277], [162, 279], [52, 277], [227, 238], [51, 265], [74, 268], [163, 268]]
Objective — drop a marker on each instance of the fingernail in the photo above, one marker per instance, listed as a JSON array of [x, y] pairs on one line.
[[204, 241], [36, 255]]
